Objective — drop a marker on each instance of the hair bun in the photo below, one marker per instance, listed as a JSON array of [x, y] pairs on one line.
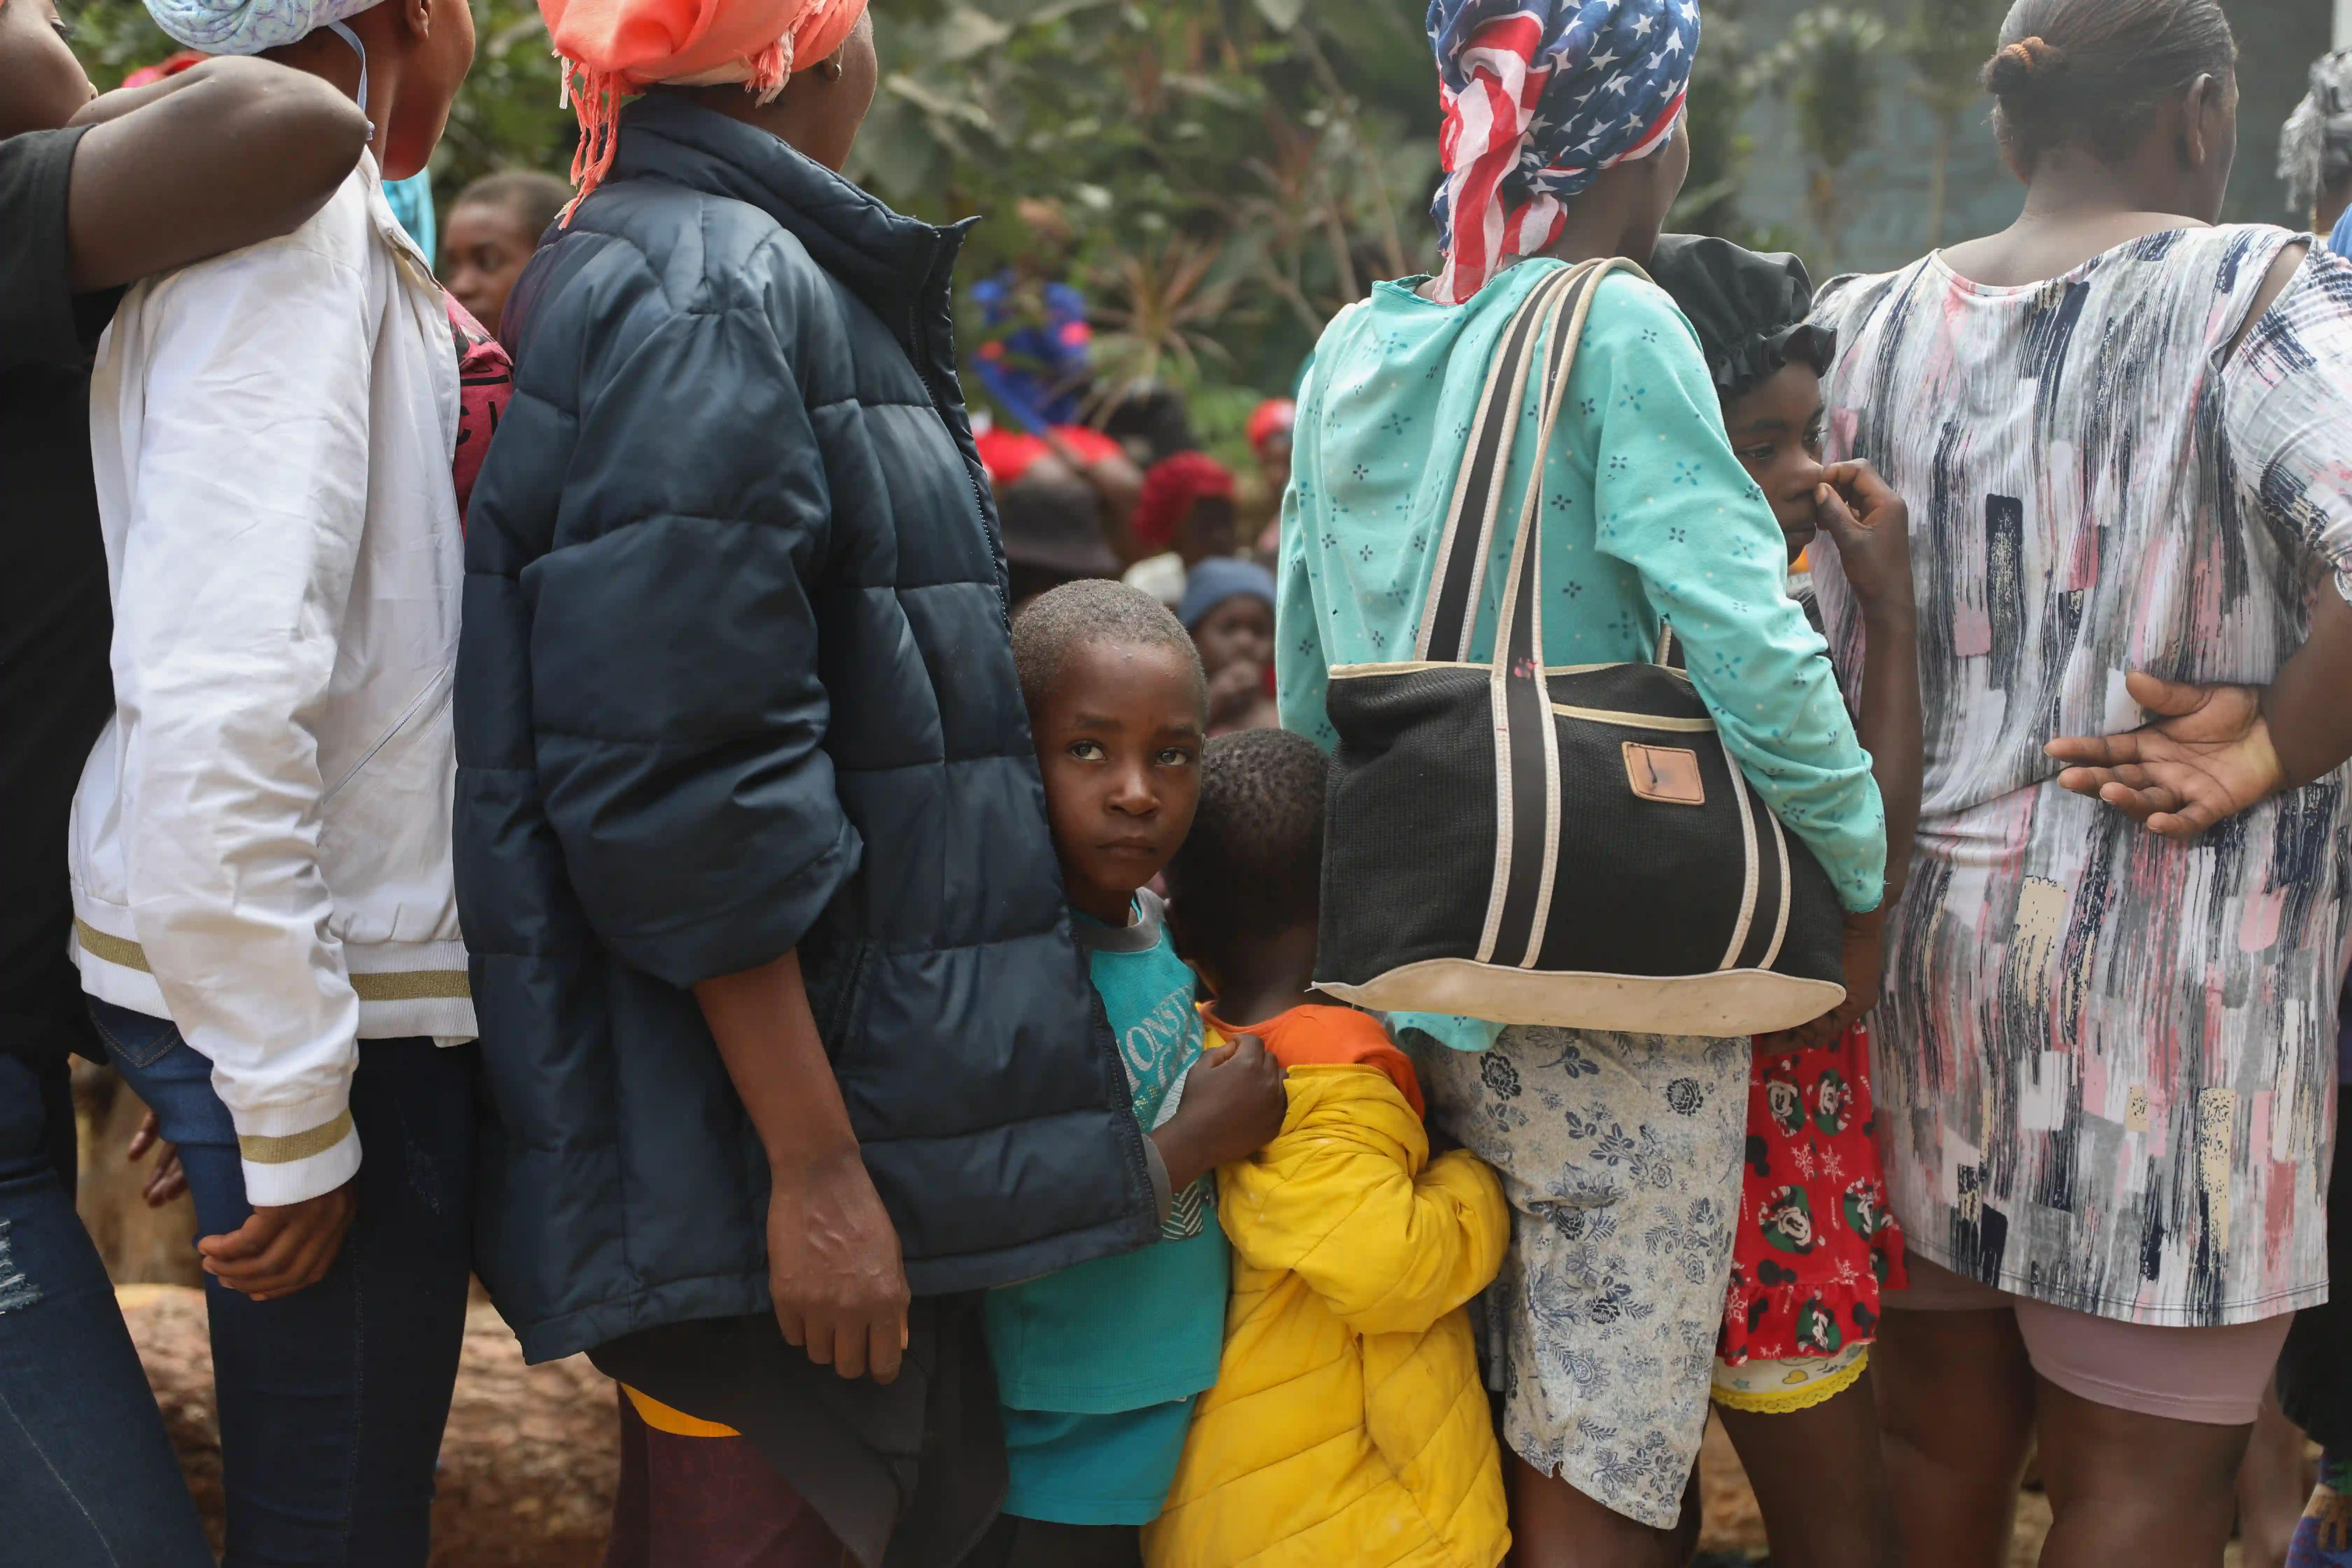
[[2019, 67]]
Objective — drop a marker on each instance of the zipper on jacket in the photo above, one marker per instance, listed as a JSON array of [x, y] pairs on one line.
[[980, 502], [439, 687], [832, 1032]]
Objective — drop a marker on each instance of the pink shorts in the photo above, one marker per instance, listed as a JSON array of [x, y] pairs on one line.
[[2211, 1375]]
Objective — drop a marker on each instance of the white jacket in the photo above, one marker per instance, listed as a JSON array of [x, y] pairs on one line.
[[261, 838]]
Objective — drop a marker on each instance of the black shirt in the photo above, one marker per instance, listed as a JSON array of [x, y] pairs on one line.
[[56, 693]]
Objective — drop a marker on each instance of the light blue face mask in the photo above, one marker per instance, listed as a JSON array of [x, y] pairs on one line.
[[360, 49]]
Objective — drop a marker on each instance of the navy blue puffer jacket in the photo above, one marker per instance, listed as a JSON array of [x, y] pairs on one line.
[[735, 679]]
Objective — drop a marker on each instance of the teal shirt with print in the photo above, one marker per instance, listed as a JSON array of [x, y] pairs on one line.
[[1143, 1328], [1647, 517]]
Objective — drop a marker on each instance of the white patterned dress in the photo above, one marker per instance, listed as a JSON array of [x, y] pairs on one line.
[[2106, 1061], [1619, 1154]]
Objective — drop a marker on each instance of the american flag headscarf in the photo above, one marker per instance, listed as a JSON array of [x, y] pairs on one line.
[[1539, 96]]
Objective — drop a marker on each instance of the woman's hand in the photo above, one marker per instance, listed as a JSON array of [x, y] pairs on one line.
[[1872, 527], [2209, 756], [169, 1179], [833, 1268]]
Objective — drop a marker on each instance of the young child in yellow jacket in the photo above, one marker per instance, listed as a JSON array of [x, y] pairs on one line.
[[1348, 1425]]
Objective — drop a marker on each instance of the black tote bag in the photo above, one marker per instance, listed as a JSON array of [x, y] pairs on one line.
[[1568, 846]]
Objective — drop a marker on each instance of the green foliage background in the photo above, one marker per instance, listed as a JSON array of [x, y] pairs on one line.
[[1231, 171], [1235, 170]]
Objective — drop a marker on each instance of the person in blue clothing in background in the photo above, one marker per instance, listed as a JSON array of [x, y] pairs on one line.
[[411, 201], [1033, 356]]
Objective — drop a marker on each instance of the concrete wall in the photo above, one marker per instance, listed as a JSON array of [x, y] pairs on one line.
[[1886, 187]]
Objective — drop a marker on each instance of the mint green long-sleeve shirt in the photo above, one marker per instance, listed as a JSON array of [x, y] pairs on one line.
[[1647, 517]]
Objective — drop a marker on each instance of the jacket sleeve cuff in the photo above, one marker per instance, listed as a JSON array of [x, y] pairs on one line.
[[287, 1168], [1164, 1192]]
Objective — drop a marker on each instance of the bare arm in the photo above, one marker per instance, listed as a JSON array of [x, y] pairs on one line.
[[1872, 527], [2209, 751], [833, 1268], [2215, 750], [2284, 267], [226, 154], [2304, 710]]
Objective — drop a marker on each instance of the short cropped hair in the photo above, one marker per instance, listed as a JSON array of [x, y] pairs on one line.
[[531, 197], [1090, 611], [1252, 864]]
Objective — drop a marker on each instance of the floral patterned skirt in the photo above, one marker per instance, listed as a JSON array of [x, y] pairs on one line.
[[1816, 1244], [1621, 1156]]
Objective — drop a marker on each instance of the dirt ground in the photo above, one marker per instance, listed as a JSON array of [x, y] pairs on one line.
[[528, 1463]]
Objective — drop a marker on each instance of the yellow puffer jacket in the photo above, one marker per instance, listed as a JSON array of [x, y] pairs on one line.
[[1348, 1428]]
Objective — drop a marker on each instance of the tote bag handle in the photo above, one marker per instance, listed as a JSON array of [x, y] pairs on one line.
[[1449, 615], [1541, 343]]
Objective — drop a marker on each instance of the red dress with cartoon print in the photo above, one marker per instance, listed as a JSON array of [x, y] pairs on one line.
[[1815, 1243]]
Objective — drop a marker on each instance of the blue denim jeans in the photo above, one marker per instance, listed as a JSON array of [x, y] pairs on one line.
[[333, 1399], [87, 1477]]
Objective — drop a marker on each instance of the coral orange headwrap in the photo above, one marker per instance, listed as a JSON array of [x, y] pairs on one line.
[[613, 48]]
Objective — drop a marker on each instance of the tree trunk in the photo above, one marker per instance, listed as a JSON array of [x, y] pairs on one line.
[[1823, 199], [1940, 158]]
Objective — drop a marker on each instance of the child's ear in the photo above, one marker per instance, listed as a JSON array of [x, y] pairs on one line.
[[1172, 911], [1181, 932]]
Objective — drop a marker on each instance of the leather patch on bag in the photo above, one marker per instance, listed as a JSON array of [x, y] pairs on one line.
[[1665, 773]]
